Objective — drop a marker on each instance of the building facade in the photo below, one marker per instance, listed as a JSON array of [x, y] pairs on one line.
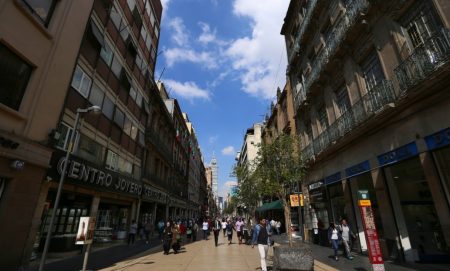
[[249, 149], [38, 49], [371, 94]]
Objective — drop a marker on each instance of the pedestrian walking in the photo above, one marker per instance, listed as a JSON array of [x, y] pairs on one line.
[[189, 230], [167, 238], [224, 227], [176, 238], [229, 229], [132, 232], [194, 231], [205, 227], [347, 236], [261, 238], [160, 229], [148, 228], [217, 225], [334, 236], [278, 227], [239, 229]]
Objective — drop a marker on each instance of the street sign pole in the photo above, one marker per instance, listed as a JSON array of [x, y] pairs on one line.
[[370, 230]]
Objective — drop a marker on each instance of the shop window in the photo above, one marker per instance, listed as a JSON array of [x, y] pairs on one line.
[[108, 108], [14, 77], [372, 71], [106, 53], [64, 136], [119, 117], [81, 81], [90, 150], [42, 9], [96, 95], [112, 160]]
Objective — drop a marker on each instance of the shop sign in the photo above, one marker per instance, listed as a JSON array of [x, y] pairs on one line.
[[333, 178], [85, 232], [150, 193], [398, 154], [315, 185], [83, 172], [358, 169], [370, 230], [439, 139], [294, 200]]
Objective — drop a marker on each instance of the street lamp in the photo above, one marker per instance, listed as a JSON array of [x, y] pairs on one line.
[[93, 109]]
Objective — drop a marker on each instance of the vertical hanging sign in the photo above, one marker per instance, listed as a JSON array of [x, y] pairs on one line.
[[370, 230]]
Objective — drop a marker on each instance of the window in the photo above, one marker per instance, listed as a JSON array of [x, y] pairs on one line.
[[119, 117], [131, 4], [127, 126], [323, 119], [141, 138], [106, 53], [125, 166], [139, 99], [108, 108], [420, 23], [42, 9], [372, 71], [116, 66], [81, 82], [343, 100], [134, 131], [116, 18], [112, 160], [96, 95], [90, 150], [308, 129], [136, 172], [14, 77], [133, 93], [64, 133], [153, 20]]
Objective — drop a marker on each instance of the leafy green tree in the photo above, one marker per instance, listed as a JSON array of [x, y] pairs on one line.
[[247, 189], [279, 166]]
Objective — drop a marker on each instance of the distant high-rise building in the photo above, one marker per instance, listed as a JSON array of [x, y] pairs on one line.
[[215, 177]]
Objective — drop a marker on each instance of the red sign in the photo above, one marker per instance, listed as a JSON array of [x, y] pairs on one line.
[[373, 244]]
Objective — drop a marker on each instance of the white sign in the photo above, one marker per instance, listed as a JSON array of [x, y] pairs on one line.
[[85, 232]]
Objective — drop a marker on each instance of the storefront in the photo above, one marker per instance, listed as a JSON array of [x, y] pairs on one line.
[[318, 212], [89, 190], [413, 203], [153, 205]]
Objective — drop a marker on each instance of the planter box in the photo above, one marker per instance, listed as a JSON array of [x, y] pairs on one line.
[[296, 258]]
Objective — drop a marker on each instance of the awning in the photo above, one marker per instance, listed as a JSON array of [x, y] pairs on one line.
[[274, 205]]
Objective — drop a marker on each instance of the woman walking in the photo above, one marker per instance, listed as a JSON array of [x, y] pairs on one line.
[[334, 235], [205, 227], [167, 238], [224, 227], [176, 238], [229, 229]]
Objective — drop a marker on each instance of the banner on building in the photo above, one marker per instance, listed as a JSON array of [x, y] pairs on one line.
[[85, 232], [294, 200]]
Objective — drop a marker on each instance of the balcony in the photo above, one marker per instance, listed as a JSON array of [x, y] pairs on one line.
[[424, 60], [154, 138], [301, 31], [334, 40], [369, 105]]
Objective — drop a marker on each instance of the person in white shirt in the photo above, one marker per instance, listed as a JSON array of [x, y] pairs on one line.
[[278, 227], [205, 227], [346, 232], [334, 235], [224, 227]]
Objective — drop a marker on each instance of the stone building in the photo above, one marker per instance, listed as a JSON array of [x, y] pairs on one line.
[[39, 43], [371, 93]]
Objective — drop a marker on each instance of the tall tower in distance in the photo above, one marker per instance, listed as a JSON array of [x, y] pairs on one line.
[[215, 178]]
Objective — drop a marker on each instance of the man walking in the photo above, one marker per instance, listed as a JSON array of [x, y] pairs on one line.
[[346, 232], [261, 237], [239, 229], [217, 225], [132, 232]]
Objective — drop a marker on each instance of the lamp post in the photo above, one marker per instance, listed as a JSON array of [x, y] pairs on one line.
[[95, 109]]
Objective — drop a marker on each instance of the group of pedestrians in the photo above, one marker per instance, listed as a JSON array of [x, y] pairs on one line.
[[341, 233]]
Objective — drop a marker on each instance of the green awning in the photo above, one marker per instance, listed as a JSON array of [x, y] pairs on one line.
[[274, 205]]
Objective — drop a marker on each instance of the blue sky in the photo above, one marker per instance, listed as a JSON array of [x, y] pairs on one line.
[[223, 60]]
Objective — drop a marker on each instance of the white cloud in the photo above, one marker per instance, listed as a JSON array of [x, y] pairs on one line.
[[258, 56], [213, 139], [180, 36], [228, 150], [187, 90], [206, 36], [225, 188], [176, 55]]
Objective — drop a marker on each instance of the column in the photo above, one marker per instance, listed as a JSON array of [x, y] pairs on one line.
[[437, 193]]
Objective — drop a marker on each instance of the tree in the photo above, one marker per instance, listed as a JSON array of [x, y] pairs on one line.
[[279, 166]]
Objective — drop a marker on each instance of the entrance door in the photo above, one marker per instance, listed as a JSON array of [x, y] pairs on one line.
[[418, 210]]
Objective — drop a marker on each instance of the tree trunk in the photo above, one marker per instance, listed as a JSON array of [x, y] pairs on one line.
[[287, 218]]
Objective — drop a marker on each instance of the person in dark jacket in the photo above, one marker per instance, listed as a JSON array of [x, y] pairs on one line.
[[167, 238], [261, 238]]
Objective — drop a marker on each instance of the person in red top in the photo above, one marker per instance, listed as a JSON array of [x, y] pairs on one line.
[[182, 228]]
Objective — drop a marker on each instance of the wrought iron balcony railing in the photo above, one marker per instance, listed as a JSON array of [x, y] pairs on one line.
[[155, 139], [301, 30], [334, 40], [369, 105], [424, 60]]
